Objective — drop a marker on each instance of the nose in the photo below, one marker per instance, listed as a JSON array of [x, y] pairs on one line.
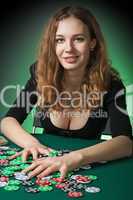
[[69, 46]]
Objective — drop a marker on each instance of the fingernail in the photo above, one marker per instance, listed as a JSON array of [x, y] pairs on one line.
[[29, 175]]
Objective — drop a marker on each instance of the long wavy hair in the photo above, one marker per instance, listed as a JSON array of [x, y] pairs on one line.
[[49, 71]]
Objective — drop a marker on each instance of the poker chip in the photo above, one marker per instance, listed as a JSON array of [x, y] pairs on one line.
[[81, 179], [42, 182], [86, 167], [53, 154], [4, 162], [75, 176], [45, 188], [4, 179], [60, 186], [53, 182], [32, 190], [76, 169], [10, 153], [4, 147], [21, 176], [7, 173], [46, 177], [11, 187], [28, 183], [3, 184], [75, 194], [92, 189], [60, 180], [1, 152], [3, 157], [92, 177], [14, 182], [23, 166]]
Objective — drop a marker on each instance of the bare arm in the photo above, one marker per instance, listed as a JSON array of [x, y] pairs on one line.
[[118, 147], [13, 130]]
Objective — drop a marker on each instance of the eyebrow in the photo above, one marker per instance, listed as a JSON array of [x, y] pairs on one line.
[[79, 34]]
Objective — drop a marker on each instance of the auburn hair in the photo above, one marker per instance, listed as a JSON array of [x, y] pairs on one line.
[[49, 71]]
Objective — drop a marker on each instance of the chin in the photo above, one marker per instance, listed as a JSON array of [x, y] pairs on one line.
[[70, 66]]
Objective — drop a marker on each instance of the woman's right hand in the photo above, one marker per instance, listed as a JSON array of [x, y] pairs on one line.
[[34, 150]]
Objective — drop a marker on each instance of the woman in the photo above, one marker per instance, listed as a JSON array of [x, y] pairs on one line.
[[74, 81]]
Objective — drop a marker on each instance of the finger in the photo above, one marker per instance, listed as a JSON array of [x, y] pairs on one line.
[[48, 171], [25, 155], [63, 170], [44, 150], [15, 155], [34, 154], [31, 167], [36, 171]]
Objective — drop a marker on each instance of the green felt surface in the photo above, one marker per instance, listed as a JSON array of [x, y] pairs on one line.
[[114, 178]]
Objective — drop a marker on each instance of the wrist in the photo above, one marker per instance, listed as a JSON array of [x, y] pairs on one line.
[[79, 157]]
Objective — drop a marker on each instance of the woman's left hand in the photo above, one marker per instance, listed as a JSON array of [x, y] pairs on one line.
[[45, 166]]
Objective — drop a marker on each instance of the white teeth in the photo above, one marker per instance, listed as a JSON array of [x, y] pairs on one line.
[[71, 59]]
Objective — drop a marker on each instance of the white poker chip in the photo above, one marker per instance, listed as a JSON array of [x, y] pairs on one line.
[[86, 167], [4, 148], [21, 176], [75, 176], [3, 184], [46, 178], [92, 189], [76, 169]]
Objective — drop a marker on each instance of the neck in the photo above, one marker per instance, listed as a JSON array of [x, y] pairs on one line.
[[73, 79]]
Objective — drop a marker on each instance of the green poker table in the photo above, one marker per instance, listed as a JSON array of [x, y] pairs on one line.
[[115, 178]]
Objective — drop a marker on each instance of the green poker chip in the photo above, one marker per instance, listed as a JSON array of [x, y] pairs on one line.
[[45, 188], [23, 166], [69, 174], [56, 175], [14, 182], [92, 177], [15, 162], [11, 187], [8, 173], [3, 157], [53, 182], [10, 153], [53, 154]]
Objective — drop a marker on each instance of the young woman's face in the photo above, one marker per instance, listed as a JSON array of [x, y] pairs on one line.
[[73, 43]]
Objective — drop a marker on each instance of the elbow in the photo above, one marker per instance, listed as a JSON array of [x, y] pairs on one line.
[[4, 123], [129, 147]]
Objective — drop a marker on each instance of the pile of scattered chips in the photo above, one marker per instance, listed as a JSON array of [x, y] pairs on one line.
[[11, 177]]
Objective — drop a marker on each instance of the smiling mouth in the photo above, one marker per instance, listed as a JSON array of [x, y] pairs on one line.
[[71, 59]]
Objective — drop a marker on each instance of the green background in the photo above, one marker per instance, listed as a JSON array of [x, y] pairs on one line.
[[22, 31]]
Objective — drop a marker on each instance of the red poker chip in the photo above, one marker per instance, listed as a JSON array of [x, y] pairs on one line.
[[4, 178], [60, 180], [42, 182], [37, 181], [2, 161], [83, 179], [75, 194], [60, 186]]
